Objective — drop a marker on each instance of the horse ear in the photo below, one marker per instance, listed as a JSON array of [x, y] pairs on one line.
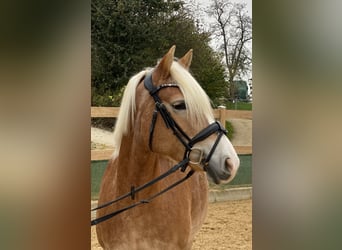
[[163, 69], [185, 61]]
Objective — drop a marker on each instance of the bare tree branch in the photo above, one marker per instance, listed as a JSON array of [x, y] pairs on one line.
[[233, 27]]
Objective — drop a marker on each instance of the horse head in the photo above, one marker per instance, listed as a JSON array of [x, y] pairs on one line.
[[178, 96]]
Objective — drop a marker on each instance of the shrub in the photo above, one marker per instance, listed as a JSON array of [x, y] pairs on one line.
[[230, 129]]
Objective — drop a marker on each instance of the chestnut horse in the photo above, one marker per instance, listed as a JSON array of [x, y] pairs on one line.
[[146, 146]]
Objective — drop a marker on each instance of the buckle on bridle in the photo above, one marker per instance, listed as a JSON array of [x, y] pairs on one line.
[[195, 156]]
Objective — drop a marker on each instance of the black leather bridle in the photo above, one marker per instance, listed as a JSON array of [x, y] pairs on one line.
[[188, 143], [170, 123]]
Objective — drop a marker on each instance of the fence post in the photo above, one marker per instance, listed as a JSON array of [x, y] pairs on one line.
[[222, 116]]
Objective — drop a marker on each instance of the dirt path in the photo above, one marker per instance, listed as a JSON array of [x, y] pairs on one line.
[[101, 136], [228, 227]]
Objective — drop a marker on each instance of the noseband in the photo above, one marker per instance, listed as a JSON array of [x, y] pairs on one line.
[[170, 123]]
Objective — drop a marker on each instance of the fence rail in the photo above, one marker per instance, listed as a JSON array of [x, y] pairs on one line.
[[220, 114]]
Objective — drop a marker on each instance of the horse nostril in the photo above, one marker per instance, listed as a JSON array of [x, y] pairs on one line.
[[229, 165]]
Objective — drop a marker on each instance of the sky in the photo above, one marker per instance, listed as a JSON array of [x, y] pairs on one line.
[[206, 19], [207, 3]]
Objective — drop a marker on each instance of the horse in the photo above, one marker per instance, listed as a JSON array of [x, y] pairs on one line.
[[147, 144]]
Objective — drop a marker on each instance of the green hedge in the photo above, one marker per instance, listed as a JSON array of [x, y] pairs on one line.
[[230, 130], [243, 178]]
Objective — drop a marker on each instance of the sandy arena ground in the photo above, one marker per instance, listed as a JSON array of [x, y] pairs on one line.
[[228, 227]]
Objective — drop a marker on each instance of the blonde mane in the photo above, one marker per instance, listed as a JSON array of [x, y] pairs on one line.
[[127, 111], [199, 110]]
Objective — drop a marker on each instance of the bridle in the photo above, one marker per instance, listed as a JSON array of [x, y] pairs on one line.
[[187, 142], [170, 123]]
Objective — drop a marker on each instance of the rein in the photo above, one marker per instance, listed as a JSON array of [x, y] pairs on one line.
[[188, 143], [136, 190]]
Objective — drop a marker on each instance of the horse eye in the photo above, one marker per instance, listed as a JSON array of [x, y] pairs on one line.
[[179, 106]]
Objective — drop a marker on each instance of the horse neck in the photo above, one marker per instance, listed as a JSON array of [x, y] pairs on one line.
[[136, 163]]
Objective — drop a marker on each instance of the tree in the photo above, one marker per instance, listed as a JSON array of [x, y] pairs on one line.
[[122, 35], [233, 28], [206, 66], [130, 35]]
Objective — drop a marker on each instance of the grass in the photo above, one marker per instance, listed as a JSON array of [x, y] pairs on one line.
[[239, 105]]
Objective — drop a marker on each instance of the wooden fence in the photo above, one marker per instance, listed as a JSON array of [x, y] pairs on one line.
[[220, 114]]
